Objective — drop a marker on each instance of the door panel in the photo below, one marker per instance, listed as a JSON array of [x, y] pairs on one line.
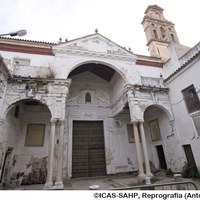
[[88, 153]]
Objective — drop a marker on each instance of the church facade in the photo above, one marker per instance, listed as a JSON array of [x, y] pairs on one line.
[[89, 107]]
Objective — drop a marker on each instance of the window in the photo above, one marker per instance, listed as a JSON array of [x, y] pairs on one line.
[[173, 38], [35, 135], [88, 98], [154, 130], [162, 29], [191, 99], [17, 111], [196, 120], [155, 34], [131, 133], [21, 61]]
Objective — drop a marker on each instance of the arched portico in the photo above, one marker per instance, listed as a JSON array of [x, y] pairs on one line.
[[36, 98], [100, 62], [161, 138], [25, 135], [94, 94]]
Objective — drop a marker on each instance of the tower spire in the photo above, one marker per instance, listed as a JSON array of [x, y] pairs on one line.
[[159, 32]]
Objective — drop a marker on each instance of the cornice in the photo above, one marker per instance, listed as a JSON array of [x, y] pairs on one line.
[[81, 52], [150, 19], [26, 49]]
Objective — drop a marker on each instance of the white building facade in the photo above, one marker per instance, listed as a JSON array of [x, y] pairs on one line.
[[89, 107]]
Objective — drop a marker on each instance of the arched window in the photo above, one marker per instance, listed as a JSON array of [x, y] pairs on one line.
[[88, 98], [155, 34], [173, 38], [162, 29], [162, 32]]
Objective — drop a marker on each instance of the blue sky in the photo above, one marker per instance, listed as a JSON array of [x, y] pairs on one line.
[[118, 20]]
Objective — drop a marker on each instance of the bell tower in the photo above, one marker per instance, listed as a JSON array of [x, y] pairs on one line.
[[159, 32]]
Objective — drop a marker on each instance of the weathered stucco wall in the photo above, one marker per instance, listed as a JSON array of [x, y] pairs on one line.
[[120, 154], [183, 120], [168, 139], [27, 163]]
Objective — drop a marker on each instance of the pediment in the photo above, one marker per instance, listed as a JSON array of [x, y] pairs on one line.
[[95, 43]]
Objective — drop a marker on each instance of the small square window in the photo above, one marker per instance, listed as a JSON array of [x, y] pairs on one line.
[[35, 135]]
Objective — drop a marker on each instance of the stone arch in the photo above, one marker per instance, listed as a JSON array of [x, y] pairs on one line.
[[161, 137], [102, 95], [163, 108], [11, 105], [25, 135], [78, 64]]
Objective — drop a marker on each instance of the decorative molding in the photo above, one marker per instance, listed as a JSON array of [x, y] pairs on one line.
[[96, 54], [117, 123], [95, 46]]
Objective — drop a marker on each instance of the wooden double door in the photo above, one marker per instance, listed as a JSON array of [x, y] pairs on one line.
[[88, 151]]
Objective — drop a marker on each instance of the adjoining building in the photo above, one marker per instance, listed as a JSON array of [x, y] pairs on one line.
[[89, 107]]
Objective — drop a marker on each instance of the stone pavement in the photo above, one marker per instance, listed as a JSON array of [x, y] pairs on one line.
[[104, 183]]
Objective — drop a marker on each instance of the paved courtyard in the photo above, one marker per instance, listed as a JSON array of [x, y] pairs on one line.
[[104, 183]]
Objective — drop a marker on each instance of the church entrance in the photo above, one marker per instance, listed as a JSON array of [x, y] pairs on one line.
[[88, 152]]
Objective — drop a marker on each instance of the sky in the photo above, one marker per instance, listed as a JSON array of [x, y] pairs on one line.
[[118, 20]]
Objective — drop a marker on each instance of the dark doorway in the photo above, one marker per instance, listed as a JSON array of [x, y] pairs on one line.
[[88, 152], [189, 155], [161, 157]]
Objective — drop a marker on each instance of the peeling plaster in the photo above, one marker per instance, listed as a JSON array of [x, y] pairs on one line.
[[109, 156]]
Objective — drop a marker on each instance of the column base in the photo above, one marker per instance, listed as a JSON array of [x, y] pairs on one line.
[[48, 186], [150, 175], [141, 178], [59, 185]]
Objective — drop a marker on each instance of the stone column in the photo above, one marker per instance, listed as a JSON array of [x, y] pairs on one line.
[[59, 182], [144, 146], [136, 115], [49, 181], [1, 129], [2, 145], [141, 174]]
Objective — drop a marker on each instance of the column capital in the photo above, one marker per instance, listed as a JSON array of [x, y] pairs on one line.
[[130, 93], [62, 121], [53, 120], [139, 121], [135, 123]]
